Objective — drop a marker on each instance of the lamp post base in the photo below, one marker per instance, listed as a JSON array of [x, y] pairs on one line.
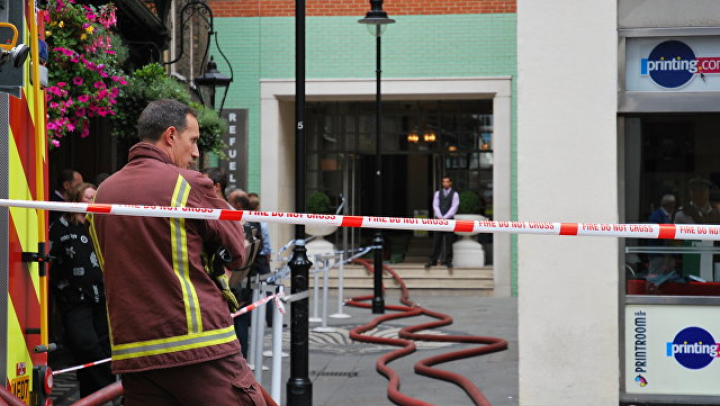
[[299, 392], [378, 302]]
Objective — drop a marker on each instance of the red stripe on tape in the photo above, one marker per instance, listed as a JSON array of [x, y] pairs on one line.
[[464, 225], [667, 231], [568, 229], [235, 215], [99, 208], [352, 221]]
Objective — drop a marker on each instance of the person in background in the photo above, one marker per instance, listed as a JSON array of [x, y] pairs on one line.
[[698, 210], [101, 178], [238, 199], [77, 286], [445, 205], [66, 182], [220, 180], [662, 263], [262, 262]]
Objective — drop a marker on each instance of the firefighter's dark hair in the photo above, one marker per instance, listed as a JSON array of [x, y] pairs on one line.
[[161, 114]]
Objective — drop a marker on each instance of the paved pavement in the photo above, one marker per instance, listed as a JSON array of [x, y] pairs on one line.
[[343, 372]]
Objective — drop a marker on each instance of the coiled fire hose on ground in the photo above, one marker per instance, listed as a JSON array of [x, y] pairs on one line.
[[407, 334]]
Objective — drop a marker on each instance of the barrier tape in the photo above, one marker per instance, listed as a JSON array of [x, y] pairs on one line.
[[75, 368], [253, 306], [650, 231]]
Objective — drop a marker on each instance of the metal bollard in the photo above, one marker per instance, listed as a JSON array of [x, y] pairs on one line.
[[259, 335], [341, 271], [276, 389], [253, 322], [316, 291], [324, 328]]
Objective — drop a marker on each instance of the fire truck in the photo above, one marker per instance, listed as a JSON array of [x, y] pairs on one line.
[[24, 341]]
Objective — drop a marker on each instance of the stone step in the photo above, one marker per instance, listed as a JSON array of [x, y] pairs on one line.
[[367, 283], [414, 273], [415, 276]]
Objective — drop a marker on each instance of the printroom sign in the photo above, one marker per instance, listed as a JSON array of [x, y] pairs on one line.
[[235, 163], [672, 350], [683, 64]]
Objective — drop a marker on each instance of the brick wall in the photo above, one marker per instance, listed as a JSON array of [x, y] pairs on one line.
[[318, 8]]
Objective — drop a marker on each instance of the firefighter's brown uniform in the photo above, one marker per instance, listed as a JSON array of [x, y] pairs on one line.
[[166, 314]]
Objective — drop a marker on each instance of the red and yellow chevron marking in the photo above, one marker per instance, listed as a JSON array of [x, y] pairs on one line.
[[27, 179]]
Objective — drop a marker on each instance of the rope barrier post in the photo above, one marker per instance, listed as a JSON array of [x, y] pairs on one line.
[[378, 302], [299, 386], [259, 336], [276, 390], [341, 271], [253, 322], [316, 291], [324, 328]]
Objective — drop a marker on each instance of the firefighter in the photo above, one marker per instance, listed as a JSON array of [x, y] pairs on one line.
[[172, 336]]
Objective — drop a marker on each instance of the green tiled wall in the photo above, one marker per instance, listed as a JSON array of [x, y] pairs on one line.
[[458, 45]]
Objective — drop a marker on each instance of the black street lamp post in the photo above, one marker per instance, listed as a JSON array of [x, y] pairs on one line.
[[212, 79], [377, 20], [299, 386]]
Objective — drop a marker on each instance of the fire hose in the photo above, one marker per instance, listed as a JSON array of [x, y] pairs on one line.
[[407, 334]]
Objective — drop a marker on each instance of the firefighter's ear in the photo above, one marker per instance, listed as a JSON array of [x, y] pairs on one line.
[[169, 135]]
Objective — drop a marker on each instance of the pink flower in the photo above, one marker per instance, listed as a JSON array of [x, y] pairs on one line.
[[100, 85], [54, 105], [61, 84], [102, 94], [70, 127], [83, 98], [68, 103], [64, 51], [102, 111], [51, 126], [55, 143], [80, 112], [85, 132], [77, 81]]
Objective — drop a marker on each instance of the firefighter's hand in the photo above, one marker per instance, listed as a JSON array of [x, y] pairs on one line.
[[230, 298]]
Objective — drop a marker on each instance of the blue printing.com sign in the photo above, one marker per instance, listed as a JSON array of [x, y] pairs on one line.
[[672, 350], [673, 64]]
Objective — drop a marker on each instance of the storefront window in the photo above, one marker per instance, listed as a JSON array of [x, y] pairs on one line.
[[672, 175], [421, 142]]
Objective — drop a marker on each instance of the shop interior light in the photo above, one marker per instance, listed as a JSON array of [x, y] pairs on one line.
[[429, 136], [413, 137]]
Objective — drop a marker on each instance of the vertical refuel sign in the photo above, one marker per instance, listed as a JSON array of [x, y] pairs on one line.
[[236, 141]]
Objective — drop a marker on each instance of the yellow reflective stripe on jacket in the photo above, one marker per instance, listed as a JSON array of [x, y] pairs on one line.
[[173, 344], [180, 259]]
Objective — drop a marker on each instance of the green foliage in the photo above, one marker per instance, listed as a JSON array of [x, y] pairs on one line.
[[212, 127], [152, 83], [318, 203], [145, 85], [469, 203]]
